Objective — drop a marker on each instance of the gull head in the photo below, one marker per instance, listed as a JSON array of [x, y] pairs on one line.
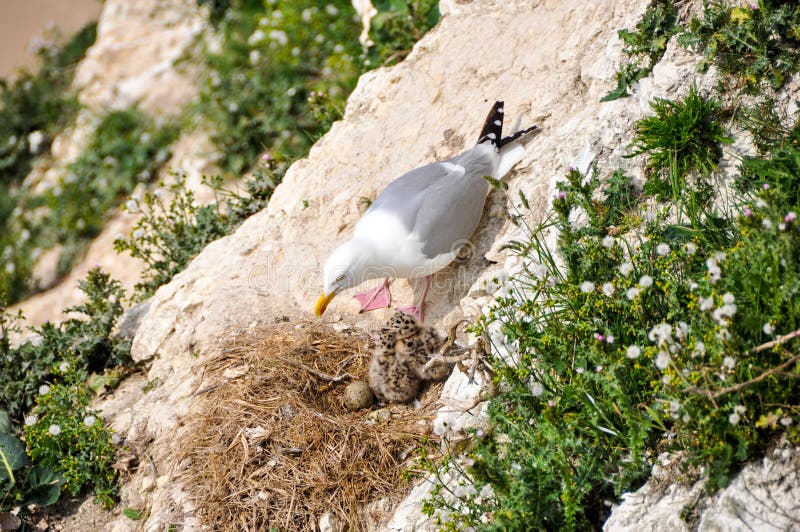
[[347, 266]]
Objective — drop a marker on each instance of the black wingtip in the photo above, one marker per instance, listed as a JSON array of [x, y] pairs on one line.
[[493, 126], [515, 136]]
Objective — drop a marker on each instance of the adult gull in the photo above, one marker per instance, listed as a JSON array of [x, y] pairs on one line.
[[417, 225]]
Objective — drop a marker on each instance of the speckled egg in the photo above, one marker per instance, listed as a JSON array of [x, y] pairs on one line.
[[357, 395]]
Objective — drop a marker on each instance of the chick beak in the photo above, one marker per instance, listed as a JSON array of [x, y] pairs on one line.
[[322, 303]]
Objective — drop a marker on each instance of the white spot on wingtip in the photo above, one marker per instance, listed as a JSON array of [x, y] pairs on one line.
[[500, 110], [498, 123], [491, 136]]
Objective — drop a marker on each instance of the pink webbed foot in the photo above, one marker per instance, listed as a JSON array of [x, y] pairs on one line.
[[378, 297], [417, 312]]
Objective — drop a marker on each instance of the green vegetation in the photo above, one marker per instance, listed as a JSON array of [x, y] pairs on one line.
[[173, 229], [44, 386], [664, 319], [645, 46], [754, 43]]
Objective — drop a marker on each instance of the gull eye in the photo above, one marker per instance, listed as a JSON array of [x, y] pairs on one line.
[[339, 279]]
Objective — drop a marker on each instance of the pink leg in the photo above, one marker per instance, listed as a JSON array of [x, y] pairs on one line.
[[418, 309], [378, 297]]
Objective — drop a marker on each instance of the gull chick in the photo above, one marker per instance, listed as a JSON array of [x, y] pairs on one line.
[[417, 225]]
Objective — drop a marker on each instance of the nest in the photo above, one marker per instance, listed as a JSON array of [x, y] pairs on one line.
[[270, 444]]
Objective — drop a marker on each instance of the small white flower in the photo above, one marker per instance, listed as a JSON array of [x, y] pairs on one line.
[[598, 368], [579, 371], [720, 256], [674, 407], [706, 303], [766, 223], [30, 421], [645, 281], [786, 421], [279, 36], [256, 37], [608, 241], [115, 439], [662, 249], [55, 430], [739, 409], [662, 360], [537, 389], [729, 362], [693, 286], [131, 205], [338, 48], [89, 420], [138, 233], [540, 271], [686, 418], [35, 139], [587, 287], [610, 339], [233, 107], [625, 268], [608, 289], [331, 9], [728, 298], [781, 226], [320, 38], [769, 329], [63, 367], [306, 15], [632, 293], [682, 330], [633, 352], [691, 248], [734, 419], [700, 348], [44, 389], [10, 268], [254, 57]]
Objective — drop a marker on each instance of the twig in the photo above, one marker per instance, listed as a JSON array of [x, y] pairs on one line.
[[777, 341], [316, 373], [440, 356], [736, 387]]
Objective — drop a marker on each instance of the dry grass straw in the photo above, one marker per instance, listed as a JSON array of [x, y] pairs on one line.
[[270, 445]]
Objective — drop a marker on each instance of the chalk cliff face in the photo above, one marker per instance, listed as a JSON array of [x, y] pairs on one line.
[[551, 61]]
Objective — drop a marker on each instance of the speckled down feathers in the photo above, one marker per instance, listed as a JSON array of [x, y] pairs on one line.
[[403, 347]]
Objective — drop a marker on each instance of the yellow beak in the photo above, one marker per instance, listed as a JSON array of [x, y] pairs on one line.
[[322, 303]]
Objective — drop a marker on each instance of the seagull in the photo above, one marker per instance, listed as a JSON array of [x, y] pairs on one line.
[[417, 225]]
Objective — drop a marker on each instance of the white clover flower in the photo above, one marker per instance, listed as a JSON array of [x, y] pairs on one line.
[[131, 205], [739, 409], [674, 407], [608, 289], [338, 48], [723, 313], [691, 248], [63, 367], [306, 15], [724, 334], [119, 236], [728, 298], [89, 420], [786, 421], [277, 15], [254, 57], [279, 36], [729, 362], [295, 51], [633, 352], [579, 371], [662, 360], [766, 223], [598, 368], [30, 421], [686, 418], [632, 293], [734, 419], [138, 233], [760, 203], [55, 430], [625, 268], [681, 330], [769, 329], [537, 389], [331, 10], [662, 249], [10, 268], [44, 389], [608, 241], [610, 339], [233, 107], [587, 287], [720, 256], [781, 226], [320, 38], [645, 281], [706, 303]]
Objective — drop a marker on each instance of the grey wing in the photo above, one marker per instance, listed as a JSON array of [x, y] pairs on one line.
[[437, 202]]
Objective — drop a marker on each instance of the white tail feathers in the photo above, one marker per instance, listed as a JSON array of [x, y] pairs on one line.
[[510, 154]]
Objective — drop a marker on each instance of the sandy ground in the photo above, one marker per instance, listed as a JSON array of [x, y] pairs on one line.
[[21, 20]]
